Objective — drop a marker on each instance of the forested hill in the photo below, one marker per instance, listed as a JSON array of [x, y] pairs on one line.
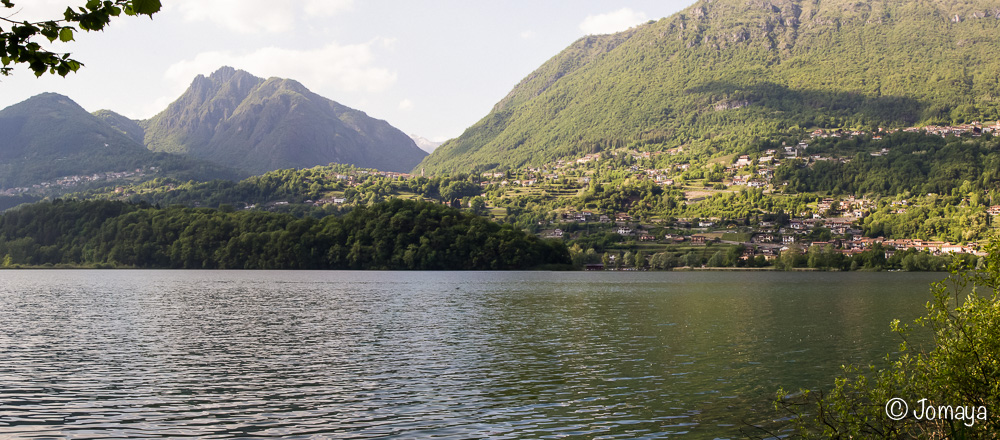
[[48, 137], [257, 125], [126, 126], [396, 234], [723, 73]]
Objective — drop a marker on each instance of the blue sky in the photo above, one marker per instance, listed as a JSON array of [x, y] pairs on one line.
[[430, 68]]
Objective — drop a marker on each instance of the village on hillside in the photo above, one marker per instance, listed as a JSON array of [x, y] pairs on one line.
[[838, 218], [78, 181], [831, 223], [545, 199]]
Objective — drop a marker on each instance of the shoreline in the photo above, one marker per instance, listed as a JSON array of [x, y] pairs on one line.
[[677, 269]]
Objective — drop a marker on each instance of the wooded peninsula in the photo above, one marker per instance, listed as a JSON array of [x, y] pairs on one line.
[[396, 234]]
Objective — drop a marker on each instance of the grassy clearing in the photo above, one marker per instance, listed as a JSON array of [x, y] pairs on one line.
[[741, 237], [723, 160]]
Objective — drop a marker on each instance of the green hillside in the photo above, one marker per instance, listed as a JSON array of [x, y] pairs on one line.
[[129, 127], [236, 119], [724, 73]]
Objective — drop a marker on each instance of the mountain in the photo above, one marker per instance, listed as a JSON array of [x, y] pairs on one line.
[[129, 127], [236, 119], [50, 136], [722, 74], [424, 143]]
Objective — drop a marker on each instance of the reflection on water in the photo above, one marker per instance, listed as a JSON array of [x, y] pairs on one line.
[[112, 354]]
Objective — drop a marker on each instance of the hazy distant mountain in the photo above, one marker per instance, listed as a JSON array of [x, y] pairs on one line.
[[424, 143], [50, 136], [129, 127], [236, 119], [722, 74]]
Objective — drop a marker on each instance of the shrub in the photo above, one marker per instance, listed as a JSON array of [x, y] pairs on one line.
[[949, 389]]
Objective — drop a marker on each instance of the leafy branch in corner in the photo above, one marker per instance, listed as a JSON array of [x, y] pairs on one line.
[[18, 39]]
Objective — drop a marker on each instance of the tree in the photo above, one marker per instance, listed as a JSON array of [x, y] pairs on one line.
[[458, 189], [816, 258], [658, 261], [628, 260], [478, 205], [957, 376], [717, 260], [577, 255], [18, 43], [692, 259], [788, 257]]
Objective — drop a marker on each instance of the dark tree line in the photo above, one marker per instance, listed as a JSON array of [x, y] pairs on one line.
[[396, 234]]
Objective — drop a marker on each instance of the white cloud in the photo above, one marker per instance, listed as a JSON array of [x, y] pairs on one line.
[[327, 8], [388, 43], [331, 68], [406, 105], [612, 22], [251, 16], [527, 35], [244, 16], [151, 108]]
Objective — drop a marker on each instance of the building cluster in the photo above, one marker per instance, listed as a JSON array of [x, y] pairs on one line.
[[357, 177], [744, 171], [770, 244], [77, 180], [975, 128], [767, 238]]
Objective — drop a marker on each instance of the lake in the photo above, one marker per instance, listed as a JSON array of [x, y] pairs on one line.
[[224, 354]]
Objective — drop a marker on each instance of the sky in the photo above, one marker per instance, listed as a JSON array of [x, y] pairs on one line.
[[428, 67]]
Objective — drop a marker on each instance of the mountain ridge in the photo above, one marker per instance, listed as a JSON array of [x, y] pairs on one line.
[[124, 124], [234, 118], [424, 143]]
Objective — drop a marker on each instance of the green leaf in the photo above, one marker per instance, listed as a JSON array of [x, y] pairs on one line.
[[146, 7], [66, 34], [50, 33]]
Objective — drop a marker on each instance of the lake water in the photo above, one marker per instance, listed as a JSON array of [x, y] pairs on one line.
[[213, 354]]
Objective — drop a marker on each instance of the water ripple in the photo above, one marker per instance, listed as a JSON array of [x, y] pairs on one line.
[[354, 355]]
